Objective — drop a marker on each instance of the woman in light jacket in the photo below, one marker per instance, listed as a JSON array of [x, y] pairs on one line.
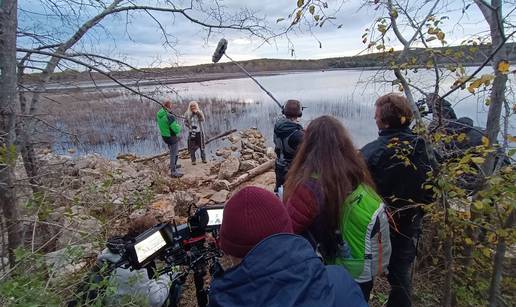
[[195, 123]]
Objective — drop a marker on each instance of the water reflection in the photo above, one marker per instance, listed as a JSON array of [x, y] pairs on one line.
[[119, 123]]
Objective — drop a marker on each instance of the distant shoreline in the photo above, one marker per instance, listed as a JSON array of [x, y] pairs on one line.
[[189, 78]]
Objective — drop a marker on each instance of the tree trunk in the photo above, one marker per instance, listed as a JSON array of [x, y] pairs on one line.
[[8, 110], [496, 277], [494, 19]]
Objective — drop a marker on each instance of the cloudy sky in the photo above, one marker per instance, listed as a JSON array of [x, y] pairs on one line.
[[137, 38]]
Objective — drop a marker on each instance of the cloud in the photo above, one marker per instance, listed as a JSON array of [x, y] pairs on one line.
[[139, 39]]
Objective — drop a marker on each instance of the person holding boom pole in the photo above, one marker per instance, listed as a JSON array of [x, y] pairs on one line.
[[288, 133]]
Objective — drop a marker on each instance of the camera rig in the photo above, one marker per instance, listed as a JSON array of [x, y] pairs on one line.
[[184, 246]]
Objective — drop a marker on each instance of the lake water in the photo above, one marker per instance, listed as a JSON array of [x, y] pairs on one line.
[[239, 103]]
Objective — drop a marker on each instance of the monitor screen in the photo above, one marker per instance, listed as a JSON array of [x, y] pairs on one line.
[[215, 216], [149, 246]]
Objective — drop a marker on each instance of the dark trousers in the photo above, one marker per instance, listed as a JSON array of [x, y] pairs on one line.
[[195, 142], [400, 263], [281, 173], [366, 288]]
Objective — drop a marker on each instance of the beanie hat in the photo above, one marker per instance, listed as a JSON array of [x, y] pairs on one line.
[[250, 216]]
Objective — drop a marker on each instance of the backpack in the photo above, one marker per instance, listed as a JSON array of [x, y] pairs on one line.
[[366, 247]]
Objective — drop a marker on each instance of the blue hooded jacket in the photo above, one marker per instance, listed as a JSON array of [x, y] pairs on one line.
[[284, 270]]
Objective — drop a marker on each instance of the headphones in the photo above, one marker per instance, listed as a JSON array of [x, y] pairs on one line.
[[288, 114]]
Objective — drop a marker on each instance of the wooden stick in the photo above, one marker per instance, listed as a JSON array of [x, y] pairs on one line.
[[252, 173], [218, 136]]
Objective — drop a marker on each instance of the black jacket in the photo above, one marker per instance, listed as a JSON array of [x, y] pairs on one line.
[[287, 137], [398, 163]]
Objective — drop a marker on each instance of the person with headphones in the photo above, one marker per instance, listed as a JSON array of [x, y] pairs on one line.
[[288, 134]]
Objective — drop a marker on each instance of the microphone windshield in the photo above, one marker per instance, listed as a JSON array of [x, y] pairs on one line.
[[221, 48]]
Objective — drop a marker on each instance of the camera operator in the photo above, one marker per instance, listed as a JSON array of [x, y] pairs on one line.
[[135, 285], [271, 265]]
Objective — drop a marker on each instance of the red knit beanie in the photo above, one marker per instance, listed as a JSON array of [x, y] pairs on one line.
[[250, 216]]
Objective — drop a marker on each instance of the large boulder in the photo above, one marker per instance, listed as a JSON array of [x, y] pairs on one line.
[[229, 168], [220, 196]]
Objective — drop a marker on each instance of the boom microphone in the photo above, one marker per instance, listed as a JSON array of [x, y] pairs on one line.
[[221, 49]]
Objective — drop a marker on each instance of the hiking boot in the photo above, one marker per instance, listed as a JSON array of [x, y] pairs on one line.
[[194, 163], [176, 174], [204, 161]]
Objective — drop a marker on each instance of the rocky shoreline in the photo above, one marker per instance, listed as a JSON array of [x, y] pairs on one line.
[[81, 202]]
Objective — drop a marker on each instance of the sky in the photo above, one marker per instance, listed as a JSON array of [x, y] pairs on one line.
[[136, 38]]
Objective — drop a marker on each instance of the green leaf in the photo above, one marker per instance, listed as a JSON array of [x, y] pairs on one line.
[[311, 9], [300, 3]]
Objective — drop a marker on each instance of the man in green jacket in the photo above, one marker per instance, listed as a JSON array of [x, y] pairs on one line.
[[170, 129]]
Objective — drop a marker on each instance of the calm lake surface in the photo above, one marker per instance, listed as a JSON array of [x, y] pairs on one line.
[[238, 103]]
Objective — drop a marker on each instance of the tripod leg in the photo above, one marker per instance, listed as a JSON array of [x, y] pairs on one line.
[[200, 292]]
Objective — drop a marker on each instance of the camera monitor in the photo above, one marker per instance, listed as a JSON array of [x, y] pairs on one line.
[[149, 246], [215, 216]]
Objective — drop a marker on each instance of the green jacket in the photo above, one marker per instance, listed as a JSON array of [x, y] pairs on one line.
[[365, 229], [167, 124]]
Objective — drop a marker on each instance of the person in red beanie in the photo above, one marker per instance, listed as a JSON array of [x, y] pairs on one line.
[[271, 265]]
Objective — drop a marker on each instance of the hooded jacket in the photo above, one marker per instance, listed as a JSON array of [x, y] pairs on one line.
[[287, 137], [284, 270]]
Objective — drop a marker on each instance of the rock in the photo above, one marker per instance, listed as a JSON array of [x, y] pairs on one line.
[[246, 151], [126, 157], [90, 173], [220, 196], [247, 157], [234, 147], [118, 201], [203, 202], [258, 155], [219, 185], [79, 228], [69, 260], [137, 213], [72, 150], [270, 153], [233, 138], [207, 193], [229, 168], [182, 202], [263, 160], [248, 165], [222, 152], [83, 163], [75, 184]]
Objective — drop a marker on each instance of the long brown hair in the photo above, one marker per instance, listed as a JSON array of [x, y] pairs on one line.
[[327, 152]]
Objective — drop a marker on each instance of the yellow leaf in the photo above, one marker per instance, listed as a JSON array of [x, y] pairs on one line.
[[478, 160], [440, 35], [503, 67], [485, 141], [468, 241], [511, 138]]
